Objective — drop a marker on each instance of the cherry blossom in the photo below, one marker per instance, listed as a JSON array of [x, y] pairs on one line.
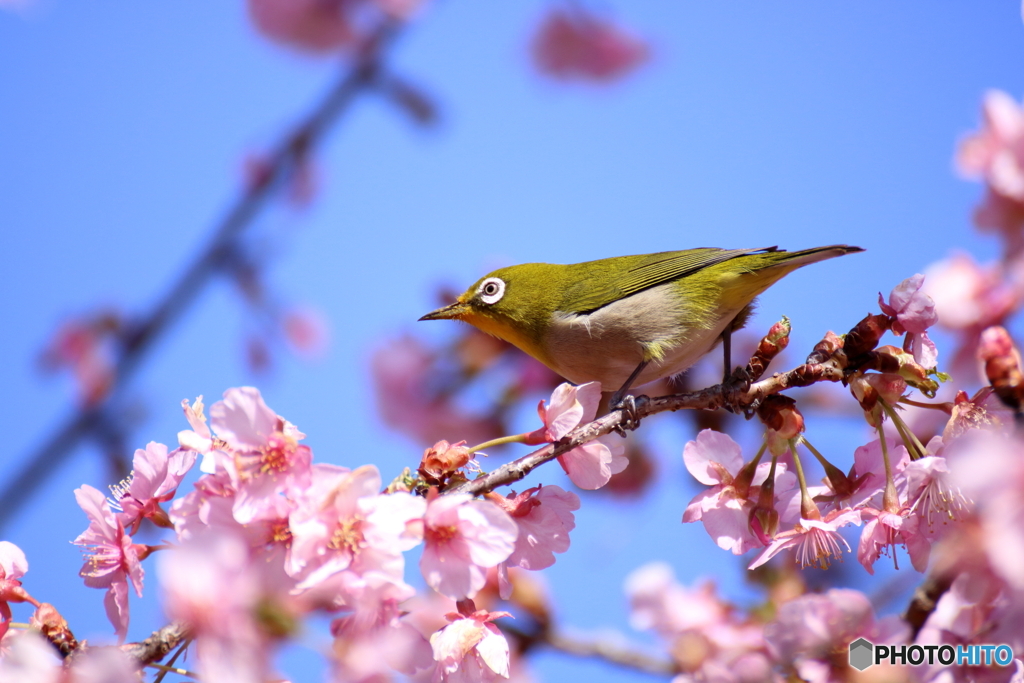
[[544, 517], [111, 559], [809, 630], [28, 657], [814, 541], [996, 153], [471, 648], [915, 313], [464, 537], [884, 529], [933, 496], [591, 465], [704, 634], [234, 605], [576, 45], [345, 524], [407, 401], [154, 479], [657, 601], [374, 638], [13, 566], [725, 509], [261, 453]]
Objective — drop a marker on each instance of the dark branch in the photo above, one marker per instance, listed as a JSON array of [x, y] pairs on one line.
[[731, 394], [362, 74]]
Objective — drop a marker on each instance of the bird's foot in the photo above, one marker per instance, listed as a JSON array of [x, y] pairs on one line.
[[630, 414], [734, 385]]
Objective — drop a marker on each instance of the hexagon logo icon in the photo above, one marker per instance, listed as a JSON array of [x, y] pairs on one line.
[[861, 652]]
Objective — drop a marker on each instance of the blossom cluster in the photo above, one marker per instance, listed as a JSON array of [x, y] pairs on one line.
[[267, 537]]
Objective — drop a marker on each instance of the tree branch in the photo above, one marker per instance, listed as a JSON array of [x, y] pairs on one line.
[[156, 647], [362, 73], [733, 394]]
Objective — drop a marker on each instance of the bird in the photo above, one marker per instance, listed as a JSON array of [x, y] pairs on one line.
[[627, 321]]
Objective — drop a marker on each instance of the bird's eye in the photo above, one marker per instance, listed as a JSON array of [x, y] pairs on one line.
[[491, 290]]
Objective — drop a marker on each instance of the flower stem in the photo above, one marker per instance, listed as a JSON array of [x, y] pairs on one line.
[[913, 444], [501, 441], [890, 501], [808, 509]]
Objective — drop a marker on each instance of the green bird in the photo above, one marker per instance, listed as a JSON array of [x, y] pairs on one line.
[[628, 320]]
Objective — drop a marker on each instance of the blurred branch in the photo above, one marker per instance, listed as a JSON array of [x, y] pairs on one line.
[[156, 647], [924, 601], [613, 650], [360, 75]]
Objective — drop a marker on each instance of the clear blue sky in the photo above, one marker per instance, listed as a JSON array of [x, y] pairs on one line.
[[122, 132]]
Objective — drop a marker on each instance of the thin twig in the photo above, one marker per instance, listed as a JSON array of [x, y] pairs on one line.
[[360, 75]]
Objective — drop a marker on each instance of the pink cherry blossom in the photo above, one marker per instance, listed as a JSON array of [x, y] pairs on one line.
[[28, 657], [884, 530], [13, 566], [868, 471], [591, 465], [464, 537], [933, 496], [544, 517], [968, 295], [199, 438], [112, 560], [814, 540], [708, 637], [657, 601], [306, 331], [84, 345], [577, 45], [809, 630], [322, 26], [915, 313], [989, 469], [234, 604], [407, 400], [996, 153], [346, 524], [154, 479], [261, 453], [977, 609], [374, 638], [569, 407], [725, 509], [311, 25], [471, 648]]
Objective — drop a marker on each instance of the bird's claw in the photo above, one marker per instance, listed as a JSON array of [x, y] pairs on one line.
[[738, 382], [630, 415]]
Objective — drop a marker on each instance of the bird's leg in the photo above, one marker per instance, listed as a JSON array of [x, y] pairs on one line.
[[625, 402], [727, 351], [737, 377]]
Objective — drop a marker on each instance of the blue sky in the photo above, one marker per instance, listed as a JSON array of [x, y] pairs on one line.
[[122, 132]]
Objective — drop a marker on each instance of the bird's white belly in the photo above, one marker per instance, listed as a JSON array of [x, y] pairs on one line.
[[608, 344]]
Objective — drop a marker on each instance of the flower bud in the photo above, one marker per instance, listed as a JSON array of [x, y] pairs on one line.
[[1002, 366], [824, 349], [865, 335], [443, 459]]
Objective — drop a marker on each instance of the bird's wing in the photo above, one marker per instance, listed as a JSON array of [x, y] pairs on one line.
[[645, 272]]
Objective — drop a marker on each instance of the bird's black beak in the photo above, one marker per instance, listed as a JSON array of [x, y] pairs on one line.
[[451, 312]]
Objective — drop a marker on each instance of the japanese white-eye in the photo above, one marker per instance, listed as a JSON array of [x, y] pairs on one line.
[[627, 320]]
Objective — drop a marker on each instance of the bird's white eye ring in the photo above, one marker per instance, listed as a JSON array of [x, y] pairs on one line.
[[491, 290]]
